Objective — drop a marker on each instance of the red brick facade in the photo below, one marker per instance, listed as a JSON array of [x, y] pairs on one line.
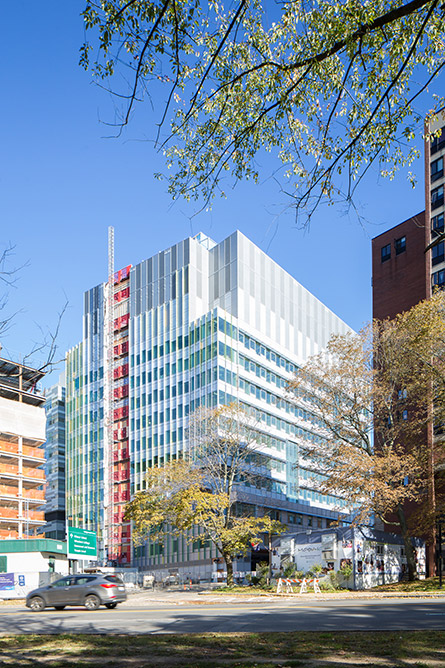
[[402, 280]]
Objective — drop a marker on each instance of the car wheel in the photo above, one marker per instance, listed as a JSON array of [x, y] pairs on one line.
[[92, 602], [110, 606], [37, 604], [59, 607]]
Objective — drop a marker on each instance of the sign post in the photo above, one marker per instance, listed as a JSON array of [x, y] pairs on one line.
[[82, 544]]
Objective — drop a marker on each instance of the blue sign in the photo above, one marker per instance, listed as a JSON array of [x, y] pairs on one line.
[[21, 580], [6, 581]]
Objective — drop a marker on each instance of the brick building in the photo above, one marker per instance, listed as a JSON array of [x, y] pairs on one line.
[[404, 272], [400, 272]]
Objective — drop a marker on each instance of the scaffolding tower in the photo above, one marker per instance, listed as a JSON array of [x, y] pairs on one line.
[[109, 439]]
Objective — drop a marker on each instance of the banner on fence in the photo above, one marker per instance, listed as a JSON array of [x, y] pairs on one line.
[[6, 581]]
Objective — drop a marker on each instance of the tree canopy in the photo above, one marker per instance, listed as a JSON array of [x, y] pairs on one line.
[[329, 88]]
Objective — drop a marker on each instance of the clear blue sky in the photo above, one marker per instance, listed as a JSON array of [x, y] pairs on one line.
[[62, 183]]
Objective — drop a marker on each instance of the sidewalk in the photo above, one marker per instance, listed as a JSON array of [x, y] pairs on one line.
[[202, 596], [176, 596]]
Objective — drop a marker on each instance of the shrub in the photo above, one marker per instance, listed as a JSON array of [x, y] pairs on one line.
[[346, 572], [291, 572], [262, 573], [330, 582], [315, 571]]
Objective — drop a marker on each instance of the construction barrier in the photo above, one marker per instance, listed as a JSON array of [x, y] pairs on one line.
[[288, 582]]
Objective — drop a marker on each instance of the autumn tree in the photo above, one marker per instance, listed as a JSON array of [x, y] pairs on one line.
[[330, 88], [202, 489], [370, 395], [424, 353]]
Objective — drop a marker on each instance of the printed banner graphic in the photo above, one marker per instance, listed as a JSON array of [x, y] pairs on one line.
[[6, 581]]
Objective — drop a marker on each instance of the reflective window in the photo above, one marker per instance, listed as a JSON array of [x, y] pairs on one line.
[[438, 142], [66, 582], [437, 253], [84, 579], [386, 252], [437, 226], [438, 279], [437, 197], [436, 169], [400, 245]]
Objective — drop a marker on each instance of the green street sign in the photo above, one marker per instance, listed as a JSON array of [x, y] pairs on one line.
[[82, 544]]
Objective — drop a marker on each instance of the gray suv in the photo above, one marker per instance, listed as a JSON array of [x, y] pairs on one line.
[[81, 589]]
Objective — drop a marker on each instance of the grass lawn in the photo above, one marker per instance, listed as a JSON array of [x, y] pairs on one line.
[[429, 584], [413, 649]]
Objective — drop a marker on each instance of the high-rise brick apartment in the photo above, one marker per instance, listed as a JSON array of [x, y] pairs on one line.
[[403, 272], [198, 324], [22, 433], [434, 199]]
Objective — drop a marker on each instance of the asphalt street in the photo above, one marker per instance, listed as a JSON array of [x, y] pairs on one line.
[[253, 616]]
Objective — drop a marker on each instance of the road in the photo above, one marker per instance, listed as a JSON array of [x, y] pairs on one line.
[[254, 616]]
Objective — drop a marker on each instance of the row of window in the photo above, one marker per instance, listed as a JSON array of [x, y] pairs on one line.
[[399, 247], [270, 420], [196, 382], [295, 518], [312, 495], [206, 353], [262, 372], [437, 252], [263, 395], [163, 439], [161, 350], [202, 331], [269, 398], [269, 354]]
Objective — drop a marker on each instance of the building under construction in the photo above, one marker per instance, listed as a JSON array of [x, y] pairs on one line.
[[198, 324], [22, 434]]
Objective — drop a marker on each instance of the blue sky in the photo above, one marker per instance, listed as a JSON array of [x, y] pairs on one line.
[[62, 183]]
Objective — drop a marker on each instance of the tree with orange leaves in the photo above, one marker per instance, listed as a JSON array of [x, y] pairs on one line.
[[375, 398]]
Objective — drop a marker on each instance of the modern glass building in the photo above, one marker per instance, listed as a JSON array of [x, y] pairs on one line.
[[198, 324], [55, 462]]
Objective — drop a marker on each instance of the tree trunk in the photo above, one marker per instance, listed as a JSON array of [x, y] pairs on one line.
[[409, 549], [229, 567], [431, 540]]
